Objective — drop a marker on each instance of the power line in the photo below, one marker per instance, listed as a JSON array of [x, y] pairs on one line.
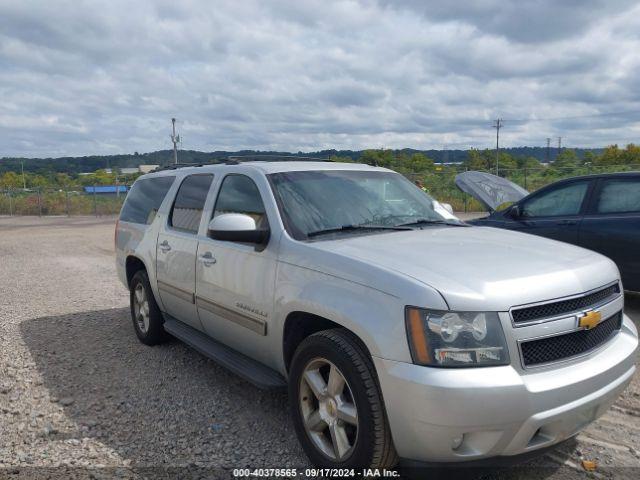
[[573, 117]]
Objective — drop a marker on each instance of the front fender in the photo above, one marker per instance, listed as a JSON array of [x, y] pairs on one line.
[[376, 317]]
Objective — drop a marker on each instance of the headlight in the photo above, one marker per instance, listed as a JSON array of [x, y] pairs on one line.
[[455, 339]]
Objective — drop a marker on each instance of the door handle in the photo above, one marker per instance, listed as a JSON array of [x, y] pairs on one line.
[[165, 247], [566, 222], [207, 259]]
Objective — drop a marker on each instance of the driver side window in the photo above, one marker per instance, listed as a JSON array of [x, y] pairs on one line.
[[239, 194], [565, 200]]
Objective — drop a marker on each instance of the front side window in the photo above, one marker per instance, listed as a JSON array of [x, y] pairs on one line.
[[189, 203], [565, 200], [319, 201], [144, 199], [619, 196], [239, 194]]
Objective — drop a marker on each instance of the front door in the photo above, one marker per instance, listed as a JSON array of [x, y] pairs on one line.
[[177, 248], [235, 281], [555, 213]]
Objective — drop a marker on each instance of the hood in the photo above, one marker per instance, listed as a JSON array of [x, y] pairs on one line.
[[480, 268], [490, 190]]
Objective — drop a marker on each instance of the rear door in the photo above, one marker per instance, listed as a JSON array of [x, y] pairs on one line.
[[177, 247], [555, 212], [611, 225]]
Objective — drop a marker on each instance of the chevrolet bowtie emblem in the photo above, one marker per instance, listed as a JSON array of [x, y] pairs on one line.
[[590, 320]]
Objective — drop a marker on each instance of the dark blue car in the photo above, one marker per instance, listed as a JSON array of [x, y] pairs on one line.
[[598, 212]]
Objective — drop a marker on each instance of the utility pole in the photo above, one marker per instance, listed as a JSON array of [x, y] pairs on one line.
[[497, 124], [175, 139], [24, 182], [548, 149]]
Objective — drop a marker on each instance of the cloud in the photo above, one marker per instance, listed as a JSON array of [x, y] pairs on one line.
[[80, 78]]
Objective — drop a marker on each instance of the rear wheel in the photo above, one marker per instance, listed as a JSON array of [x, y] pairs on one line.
[[336, 403], [146, 316]]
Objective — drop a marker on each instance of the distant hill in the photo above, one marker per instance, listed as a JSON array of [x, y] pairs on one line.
[[165, 157]]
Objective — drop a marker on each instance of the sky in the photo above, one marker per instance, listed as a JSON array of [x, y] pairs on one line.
[[85, 78]]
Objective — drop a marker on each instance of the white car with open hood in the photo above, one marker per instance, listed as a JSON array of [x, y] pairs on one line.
[[400, 333]]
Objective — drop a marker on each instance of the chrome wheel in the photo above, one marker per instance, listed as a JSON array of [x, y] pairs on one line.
[[141, 308], [328, 409]]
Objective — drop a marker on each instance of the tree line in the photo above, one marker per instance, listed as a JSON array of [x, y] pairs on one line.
[[485, 160], [526, 170]]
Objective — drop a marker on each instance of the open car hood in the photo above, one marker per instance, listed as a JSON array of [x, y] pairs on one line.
[[490, 190]]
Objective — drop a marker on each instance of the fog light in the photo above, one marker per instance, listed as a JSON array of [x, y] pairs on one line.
[[456, 442]]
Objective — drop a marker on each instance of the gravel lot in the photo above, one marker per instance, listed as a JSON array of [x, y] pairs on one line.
[[81, 397]]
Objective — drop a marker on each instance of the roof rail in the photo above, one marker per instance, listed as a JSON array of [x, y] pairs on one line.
[[235, 159], [175, 166]]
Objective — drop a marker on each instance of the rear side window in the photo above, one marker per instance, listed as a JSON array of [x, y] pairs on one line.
[[187, 208], [619, 196], [144, 199]]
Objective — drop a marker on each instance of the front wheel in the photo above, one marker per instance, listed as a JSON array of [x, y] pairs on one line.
[[336, 403]]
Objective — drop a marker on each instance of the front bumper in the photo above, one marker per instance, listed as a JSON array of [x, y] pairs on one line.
[[448, 415]]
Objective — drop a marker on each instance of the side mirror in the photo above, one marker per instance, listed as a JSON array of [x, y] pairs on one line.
[[444, 209], [515, 212], [237, 227], [447, 207]]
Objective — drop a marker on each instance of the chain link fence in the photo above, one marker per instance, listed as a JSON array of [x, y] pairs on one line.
[[97, 200], [94, 200], [441, 183]]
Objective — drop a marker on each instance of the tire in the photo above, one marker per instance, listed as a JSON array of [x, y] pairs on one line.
[[149, 330], [329, 416]]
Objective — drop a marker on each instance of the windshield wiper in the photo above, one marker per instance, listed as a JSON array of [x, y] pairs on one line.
[[349, 228], [426, 221]]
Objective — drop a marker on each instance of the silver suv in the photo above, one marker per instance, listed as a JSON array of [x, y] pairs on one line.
[[399, 331]]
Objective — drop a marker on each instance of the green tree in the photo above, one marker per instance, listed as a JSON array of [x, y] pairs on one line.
[[381, 158], [566, 160], [589, 158], [37, 181], [10, 180], [531, 163], [338, 158], [630, 155], [610, 156], [507, 163], [485, 160], [419, 162], [370, 157], [475, 161], [63, 180]]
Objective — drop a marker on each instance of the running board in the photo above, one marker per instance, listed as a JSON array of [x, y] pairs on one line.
[[249, 369]]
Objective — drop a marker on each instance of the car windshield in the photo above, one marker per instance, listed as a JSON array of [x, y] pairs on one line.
[[338, 201]]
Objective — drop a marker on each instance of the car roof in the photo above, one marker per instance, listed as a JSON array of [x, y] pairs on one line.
[[599, 175], [267, 167]]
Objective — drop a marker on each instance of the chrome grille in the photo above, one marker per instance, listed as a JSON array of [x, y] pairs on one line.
[[554, 309], [553, 349]]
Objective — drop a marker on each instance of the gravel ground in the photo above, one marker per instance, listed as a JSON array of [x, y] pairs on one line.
[[81, 397]]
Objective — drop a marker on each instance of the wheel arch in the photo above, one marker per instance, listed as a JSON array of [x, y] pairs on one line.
[[299, 325], [132, 265]]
